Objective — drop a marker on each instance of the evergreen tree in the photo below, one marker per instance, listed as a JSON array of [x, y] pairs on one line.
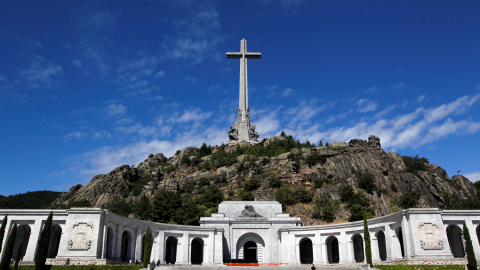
[[8, 252], [368, 244], [42, 244], [147, 247], [472, 261], [19, 254], [2, 231]]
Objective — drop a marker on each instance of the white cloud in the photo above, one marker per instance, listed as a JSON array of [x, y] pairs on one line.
[[371, 90], [160, 74], [399, 86], [287, 92], [365, 105], [40, 73], [192, 115], [473, 176], [115, 109], [421, 98]]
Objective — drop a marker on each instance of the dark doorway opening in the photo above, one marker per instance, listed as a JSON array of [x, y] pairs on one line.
[[197, 251], [250, 252], [306, 251]]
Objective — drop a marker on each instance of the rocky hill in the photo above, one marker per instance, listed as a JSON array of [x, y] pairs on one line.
[[321, 184]]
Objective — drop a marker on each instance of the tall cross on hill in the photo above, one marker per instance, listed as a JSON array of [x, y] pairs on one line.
[[243, 130]]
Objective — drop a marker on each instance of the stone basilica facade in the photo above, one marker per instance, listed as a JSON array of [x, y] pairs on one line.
[[252, 232]]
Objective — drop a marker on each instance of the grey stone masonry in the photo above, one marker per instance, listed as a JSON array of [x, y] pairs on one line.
[[243, 130]]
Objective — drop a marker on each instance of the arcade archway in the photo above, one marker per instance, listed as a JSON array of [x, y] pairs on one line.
[[357, 242], [382, 246], [333, 253], [55, 236], [23, 235], [306, 251], [171, 250], [250, 248], [197, 251], [455, 240]]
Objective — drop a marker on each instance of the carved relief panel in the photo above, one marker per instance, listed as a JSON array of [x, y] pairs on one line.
[[430, 236], [81, 235]]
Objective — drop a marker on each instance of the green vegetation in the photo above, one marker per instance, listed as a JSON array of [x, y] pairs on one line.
[[314, 159], [17, 258], [165, 205], [274, 182], [303, 195], [368, 244], [43, 243], [8, 252], [325, 207], [415, 164], [2, 231], [472, 261], [366, 181], [453, 202], [357, 203], [286, 196], [29, 200], [409, 199], [420, 267], [147, 247]]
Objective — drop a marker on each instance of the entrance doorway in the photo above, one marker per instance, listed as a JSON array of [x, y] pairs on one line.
[[250, 252]]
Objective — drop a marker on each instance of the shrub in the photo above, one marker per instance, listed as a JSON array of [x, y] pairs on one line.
[[251, 185], [188, 214], [203, 182], [409, 199], [169, 169], [472, 261], [274, 182], [147, 247], [8, 251], [303, 195], [366, 181], [346, 193], [246, 195], [211, 197], [415, 164], [43, 241], [315, 158], [286, 196], [2, 231]]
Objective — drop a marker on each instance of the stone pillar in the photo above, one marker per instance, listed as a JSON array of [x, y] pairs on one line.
[[350, 251], [343, 247], [105, 239], [32, 241], [317, 249], [406, 235], [375, 248], [138, 246], [160, 244], [118, 244]]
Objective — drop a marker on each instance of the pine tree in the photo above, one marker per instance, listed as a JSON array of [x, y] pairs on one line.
[[2, 231], [472, 261], [368, 244], [147, 247], [19, 254], [42, 244], [8, 252]]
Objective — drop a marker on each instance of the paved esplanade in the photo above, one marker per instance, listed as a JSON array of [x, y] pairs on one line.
[[243, 130]]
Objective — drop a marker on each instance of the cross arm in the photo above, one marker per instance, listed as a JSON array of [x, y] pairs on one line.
[[234, 55]]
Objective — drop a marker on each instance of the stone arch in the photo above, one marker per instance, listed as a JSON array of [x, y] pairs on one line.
[[171, 250], [358, 252], [196, 251], [23, 235], [258, 244], [455, 240], [110, 249], [54, 243], [333, 253], [306, 251], [382, 245], [399, 234], [126, 248]]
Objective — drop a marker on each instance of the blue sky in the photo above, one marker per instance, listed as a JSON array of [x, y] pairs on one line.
[[88, 86]]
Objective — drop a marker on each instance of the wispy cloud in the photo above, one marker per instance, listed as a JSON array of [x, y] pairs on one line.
[[115, 109], [40, 73], [365, 105]]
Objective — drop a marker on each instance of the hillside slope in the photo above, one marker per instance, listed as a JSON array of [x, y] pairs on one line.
[[321, 184]]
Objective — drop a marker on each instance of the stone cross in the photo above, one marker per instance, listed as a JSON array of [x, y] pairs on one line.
[[243, 130]]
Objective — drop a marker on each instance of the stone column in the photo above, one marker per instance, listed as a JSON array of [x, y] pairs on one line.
[[406, 235], [351, 251], [317, 249], [118, 244], [138, 246], [375, 248], [159, 242], [104, 243], [343, 247], [32, 241]]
